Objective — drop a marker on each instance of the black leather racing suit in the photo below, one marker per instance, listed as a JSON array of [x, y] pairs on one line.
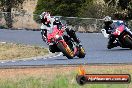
[[69, 31], [109, 27]]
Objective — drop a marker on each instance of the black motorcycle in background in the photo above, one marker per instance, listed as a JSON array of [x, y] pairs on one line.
[[123, 36]]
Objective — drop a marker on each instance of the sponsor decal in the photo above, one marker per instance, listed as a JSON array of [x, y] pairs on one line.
[[83, 78]]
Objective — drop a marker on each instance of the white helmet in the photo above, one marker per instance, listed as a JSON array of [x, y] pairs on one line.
[[44, 14], [107, 18]]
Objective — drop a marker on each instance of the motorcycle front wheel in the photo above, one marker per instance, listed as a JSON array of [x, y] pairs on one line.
[[65, 50]]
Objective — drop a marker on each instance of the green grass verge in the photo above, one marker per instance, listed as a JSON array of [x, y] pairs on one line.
[[59, 81], [70, 82], [22, 83]]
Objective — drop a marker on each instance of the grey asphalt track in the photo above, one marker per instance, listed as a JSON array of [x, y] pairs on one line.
[[94, 44]]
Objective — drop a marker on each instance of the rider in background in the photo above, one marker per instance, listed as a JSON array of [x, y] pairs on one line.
[[110, 25]]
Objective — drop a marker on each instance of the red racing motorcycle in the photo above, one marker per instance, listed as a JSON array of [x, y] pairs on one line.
[[58, 42], [123, 36]]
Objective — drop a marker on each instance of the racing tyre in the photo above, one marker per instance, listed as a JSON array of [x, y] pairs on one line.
[[65, 50], [81, 52], [128, 40]]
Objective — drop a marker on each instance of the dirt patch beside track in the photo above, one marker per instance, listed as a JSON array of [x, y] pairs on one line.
[[90, 69]]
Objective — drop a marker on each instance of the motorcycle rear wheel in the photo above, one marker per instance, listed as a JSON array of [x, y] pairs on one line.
[[128, 40]]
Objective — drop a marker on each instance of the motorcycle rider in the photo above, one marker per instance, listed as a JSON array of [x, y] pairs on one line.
[[57, 22], [110, 26], [69, 31], [47, 24]]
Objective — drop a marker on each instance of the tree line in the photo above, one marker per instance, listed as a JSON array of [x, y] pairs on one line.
[[119, 9]]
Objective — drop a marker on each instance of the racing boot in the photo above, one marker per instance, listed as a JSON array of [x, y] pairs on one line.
[[110, 42], [109, 46]]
